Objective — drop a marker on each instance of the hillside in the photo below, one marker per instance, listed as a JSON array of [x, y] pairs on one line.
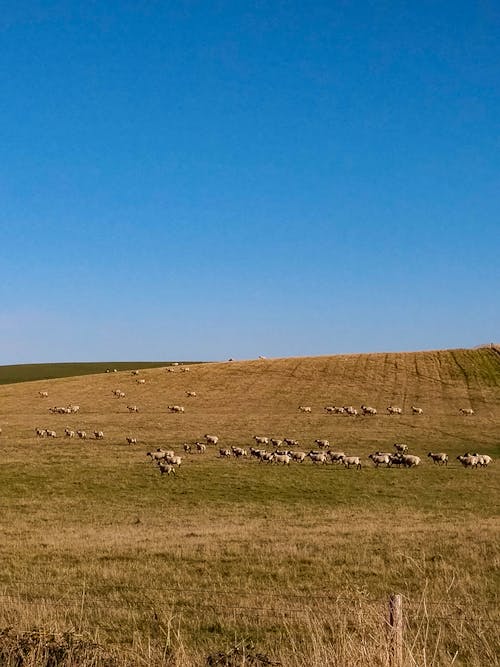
[[297, 561]]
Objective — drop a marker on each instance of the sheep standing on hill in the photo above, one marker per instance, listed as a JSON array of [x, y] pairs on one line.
[[354, 461], [350, 410], [318, 457], [380, 459], [322, 443], [368, 410], [176, 408], [394, 410], [439, 457], [211, 439], [417, 411], [305, 408], [468, 461], [468, 412], [43, 394], [132, 408], [99, 435], [410, 461], [131, 441], [81, 434], [399, 447]]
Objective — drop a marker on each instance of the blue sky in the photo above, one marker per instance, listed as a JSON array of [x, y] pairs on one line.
[[199, 180]]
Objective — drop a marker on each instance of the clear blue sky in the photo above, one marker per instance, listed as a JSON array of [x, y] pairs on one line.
[[199, 180]]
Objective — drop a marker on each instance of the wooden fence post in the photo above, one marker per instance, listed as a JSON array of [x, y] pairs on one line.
[[396, 630]]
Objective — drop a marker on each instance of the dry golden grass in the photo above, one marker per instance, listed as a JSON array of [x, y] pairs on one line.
[[237, 559]]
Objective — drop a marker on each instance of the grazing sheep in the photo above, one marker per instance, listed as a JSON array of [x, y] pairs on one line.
[[81, 434], [468, 412], [380, 459], [160, 454], [175, 408], [298, 456], [40, 432], [266, 457], [350, 410], [239, 451], [484, 460], [132, 441], [368, 410], [317, 457], [290, 442], [141, 381], [276, 442], [69, 433], [410, 461], [211, 439], [50, 434], [201, 447], [132, 408], [439, 457], [187, 448], [305, 408], [98, 435], [43, 394], [352, 461], [468, 461], [394, 410], [118, 393], [417, 411], [399, 447], [191, 394], [281, 458], [224, 453], [336, 457], [173, 460], [166, 468], [323, 444], [261, 440]]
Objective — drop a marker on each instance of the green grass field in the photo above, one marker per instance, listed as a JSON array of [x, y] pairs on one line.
[[246, 562]]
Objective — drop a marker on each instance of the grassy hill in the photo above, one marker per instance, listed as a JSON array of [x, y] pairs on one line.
[[229, 556], [33, 372]]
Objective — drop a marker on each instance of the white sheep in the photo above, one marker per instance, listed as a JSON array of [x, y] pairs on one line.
[[281, 458], [191, 394], [368, 410], [417, 411], [394, 410], [336, 457], [176, 408], [298, 456], [410, 460], [81, 434], [305, 408], [399, 447], [323, 444], [380, 459], [211, 439], [317, 457], [98, 435], [224, 453], [468, 461], [166, 468], [201, 447], [468, 412], [352, 461], [131, 441], [43, 394], [441, 458], [69, 433], [261, 440]]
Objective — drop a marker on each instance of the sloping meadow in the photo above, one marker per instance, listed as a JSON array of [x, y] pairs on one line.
[[232, 561]]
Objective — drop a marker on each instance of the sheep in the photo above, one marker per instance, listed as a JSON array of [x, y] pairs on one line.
[[394, 410], [266, 456], [305, 408], [98, 435], [380, 459], [395, 459], [211, 439], [410, 461], [439, 457], [416, 411], [69, 433], [118, 393], [276, 442], [290, 442], [282, 458], [368, 410], [323, 444], [40, 432], [336, 457], [239, 451], [81, 434], [201, 447], [160, 454], [175, 408], [352, 461], [166, 468], [350, 410], [298, 456], [131, 441], [329, 409], [224, 453], [74, 408], [399, 447], [256, 452], [50, 434], [135, 373], [191, 394], [261, 440], [317, 457], [141, 381], [43, 394], [173, 460], [132, 408], [468, 412], [484, 460], [468, 461], [187, 448]]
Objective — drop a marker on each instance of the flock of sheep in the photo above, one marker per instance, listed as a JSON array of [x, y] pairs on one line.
[[274, 450]]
